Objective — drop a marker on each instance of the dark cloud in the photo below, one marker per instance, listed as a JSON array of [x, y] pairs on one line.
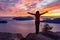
[[6, 4]]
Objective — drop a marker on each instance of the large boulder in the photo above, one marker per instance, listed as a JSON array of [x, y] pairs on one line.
[[10, 36], [33, 36], [51, 35]]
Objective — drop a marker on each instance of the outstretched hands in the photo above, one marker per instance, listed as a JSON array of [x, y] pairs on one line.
[[35, 14], [30, 13], [44, 13]]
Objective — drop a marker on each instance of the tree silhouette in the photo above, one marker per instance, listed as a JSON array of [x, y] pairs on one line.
[[46, 28]]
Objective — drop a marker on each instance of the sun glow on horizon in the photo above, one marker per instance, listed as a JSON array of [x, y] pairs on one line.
[[21, 7], [55, 12]]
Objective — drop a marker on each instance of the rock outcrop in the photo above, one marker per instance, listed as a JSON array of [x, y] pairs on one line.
[[33, 36], [10, 36]]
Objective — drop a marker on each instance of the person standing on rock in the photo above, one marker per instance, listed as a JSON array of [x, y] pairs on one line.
[[37, 19]]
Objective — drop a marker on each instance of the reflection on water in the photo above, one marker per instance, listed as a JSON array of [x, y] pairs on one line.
[[24, 27]]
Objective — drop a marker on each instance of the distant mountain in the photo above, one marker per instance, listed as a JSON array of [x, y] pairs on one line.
[[56, 20], [23, 18], [3, 21]]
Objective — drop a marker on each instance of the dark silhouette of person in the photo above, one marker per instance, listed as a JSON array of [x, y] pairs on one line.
[[37, 19]]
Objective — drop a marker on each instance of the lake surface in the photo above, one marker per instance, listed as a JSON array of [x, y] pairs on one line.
[[23, 27]]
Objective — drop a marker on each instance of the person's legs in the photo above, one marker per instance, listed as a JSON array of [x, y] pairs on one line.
[[37, 26]]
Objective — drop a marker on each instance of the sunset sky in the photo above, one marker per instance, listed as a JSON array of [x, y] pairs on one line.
[[21, 7], [24, 23]]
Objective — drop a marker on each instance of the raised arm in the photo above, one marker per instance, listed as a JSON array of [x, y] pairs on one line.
[[44, 13], [31, 13]]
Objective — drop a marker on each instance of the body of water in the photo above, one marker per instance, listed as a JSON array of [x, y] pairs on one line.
[[23, 27]]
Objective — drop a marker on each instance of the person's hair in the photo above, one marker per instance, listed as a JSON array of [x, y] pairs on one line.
[[37, 12]]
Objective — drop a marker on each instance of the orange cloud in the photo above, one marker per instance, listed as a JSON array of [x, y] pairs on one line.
[[51, 7]]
